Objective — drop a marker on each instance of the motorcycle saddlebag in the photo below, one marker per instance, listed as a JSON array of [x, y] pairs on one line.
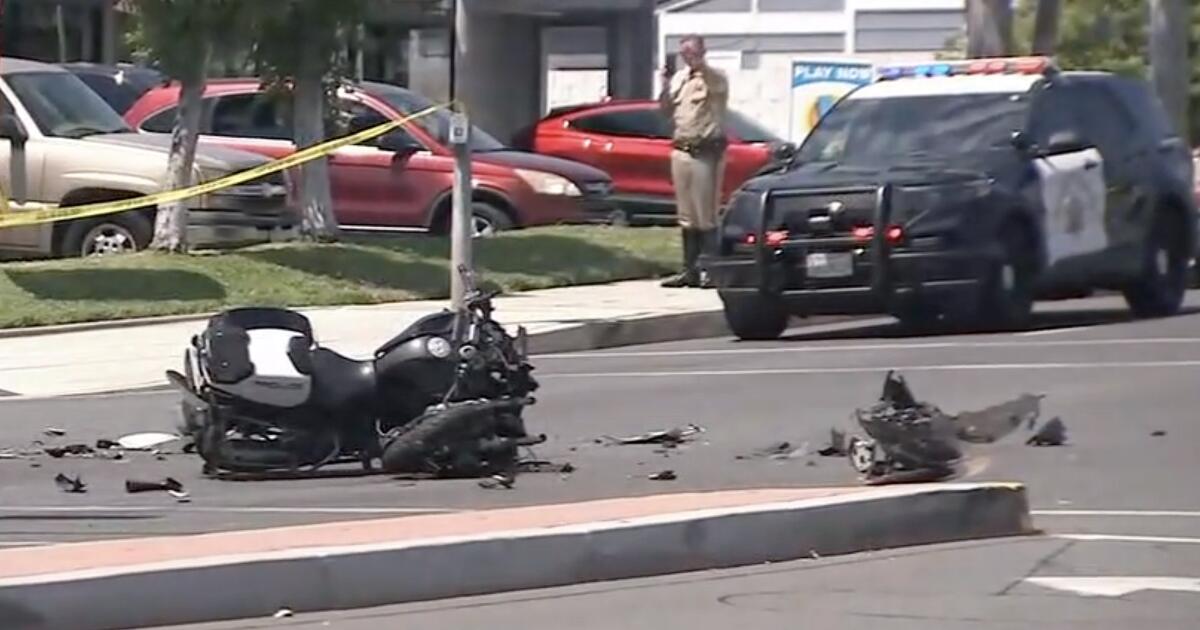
[[227, 339]]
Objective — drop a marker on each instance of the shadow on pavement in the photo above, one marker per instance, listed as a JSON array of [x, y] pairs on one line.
[[117, 284], [1056, 320]]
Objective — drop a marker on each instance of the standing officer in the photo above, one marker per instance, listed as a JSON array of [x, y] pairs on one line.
[[695, 99]]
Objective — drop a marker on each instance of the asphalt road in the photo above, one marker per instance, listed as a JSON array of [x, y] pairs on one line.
[[1114, 382]]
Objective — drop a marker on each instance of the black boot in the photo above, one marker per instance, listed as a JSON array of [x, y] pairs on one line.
[[708, 249], [690, 276]]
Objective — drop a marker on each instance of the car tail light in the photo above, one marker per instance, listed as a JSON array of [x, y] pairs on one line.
[[894, 234], [775, 238], [863, 233]]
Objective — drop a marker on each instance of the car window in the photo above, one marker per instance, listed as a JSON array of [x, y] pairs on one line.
[[258, 115], [119, 95], [1057, 109], [164, 121], [636, 123], [1109, 125], [355, 116], [1137, 96], [63, 106]]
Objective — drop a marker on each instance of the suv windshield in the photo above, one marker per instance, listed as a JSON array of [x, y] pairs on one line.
[[63, 107], [436, 124], [878, 130]]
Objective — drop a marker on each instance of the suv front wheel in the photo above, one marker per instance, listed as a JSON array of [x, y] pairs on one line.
[[115, 234], [1160, 290]]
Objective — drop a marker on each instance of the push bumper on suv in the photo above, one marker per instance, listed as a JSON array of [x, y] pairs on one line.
[[237, 219], [877, 271]]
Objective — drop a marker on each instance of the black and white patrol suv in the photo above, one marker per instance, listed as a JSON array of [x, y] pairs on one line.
[[964, 191]]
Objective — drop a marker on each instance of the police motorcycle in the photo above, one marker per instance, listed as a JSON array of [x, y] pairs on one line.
[[442, 398]]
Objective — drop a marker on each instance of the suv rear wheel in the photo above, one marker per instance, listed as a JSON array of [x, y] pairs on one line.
[[115, 234], [1160, 290], [755, 318]]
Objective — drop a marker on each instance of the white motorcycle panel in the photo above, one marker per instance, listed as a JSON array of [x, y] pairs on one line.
[[1075, 196], [276, 381]]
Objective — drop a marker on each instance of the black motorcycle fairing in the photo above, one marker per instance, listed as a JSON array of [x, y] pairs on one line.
[[434, 324], [252, 318], [340, 383], [410, 367]]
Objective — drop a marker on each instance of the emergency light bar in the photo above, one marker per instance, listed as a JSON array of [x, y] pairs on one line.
[[998, 65]]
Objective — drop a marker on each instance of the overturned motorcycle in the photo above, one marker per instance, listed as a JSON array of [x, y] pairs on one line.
[[443, 398], [910, 440]]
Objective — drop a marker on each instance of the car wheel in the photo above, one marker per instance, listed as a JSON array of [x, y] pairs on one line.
[[116, 234], [1160, 290], [1006, 294], [487, 220], [755, 318]]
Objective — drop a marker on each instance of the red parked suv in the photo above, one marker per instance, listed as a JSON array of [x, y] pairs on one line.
[[402, 180], [631, 140]]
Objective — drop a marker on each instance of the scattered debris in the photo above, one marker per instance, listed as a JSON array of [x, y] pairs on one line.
[[567, 468], [666, 475], [133, 486], [104, 444], [10, 455], [73, 486], [180, 496], [1158, 433], [282, 613], [671, 437], [1053, 433], [52, 431], [498, 481], [837, 445], [145, 441], [778, 451], [58, 452]]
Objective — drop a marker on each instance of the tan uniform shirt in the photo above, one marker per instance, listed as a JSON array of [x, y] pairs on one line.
[[697, 101]]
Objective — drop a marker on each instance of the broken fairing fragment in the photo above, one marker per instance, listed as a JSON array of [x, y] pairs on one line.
[[904, 437]]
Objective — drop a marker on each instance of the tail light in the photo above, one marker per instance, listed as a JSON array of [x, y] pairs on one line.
[[773, 238], [863, 233]]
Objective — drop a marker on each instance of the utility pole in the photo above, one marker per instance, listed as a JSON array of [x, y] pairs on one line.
[[1170, 21], [460, 138]]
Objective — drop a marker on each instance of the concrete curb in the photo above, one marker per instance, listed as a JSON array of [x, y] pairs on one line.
[[108, 324], [597, 335], [257, 585]]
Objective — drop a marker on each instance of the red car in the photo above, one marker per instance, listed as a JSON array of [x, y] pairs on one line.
[[631, 140], [402, 180]]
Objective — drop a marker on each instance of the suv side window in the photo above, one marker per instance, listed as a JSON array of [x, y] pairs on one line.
[[638, 123], [164, 121], [356, 116], [257, 115], [1057, 109], [1109, 124]]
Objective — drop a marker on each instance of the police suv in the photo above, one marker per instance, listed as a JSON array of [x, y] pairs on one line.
[[963, 192]]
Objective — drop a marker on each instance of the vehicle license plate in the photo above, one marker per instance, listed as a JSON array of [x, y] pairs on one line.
[[830, 265]]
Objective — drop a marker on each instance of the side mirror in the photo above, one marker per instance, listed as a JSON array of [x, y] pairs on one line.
[[1022, 142], [12, 130], [784, 152], [399, 143]]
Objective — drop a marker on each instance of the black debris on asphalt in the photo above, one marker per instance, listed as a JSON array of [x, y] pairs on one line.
[[1053, 433], [666, 475], [104, 444], [55, 432], [134, 486], [58, 452], [1158, 433], [670, 437], [778, 451], [69, 485]]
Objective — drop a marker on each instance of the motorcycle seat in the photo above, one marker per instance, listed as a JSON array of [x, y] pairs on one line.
[[340, 382]]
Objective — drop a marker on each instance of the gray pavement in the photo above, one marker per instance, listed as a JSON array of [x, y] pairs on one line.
[[1111, 380]]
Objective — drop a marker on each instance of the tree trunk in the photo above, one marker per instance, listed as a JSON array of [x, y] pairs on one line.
[[316, 200], [1045, 30], [171, 220], [1170, 22], [989, 28]]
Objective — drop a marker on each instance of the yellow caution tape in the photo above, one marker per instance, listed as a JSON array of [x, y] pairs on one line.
[[59, 213]]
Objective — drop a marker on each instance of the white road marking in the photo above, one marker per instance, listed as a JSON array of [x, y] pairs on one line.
[[932, 345], [1157, 540], [1051, 331], [961, 367], [1145, 513], [1116, 586], [228, 510]]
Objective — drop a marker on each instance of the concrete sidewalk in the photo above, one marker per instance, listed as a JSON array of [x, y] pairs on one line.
[[187, 579], [106, 357]]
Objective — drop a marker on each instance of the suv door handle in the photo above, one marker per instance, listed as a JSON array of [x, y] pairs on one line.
[[1090, 164]]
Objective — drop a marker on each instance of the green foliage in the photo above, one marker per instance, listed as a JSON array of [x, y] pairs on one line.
[[173, 34]]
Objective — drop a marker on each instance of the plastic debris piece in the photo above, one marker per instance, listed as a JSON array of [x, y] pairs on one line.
[[666, 475], [133, 486], [145, 441], [69, 485], [672, 437], [1053, 433]]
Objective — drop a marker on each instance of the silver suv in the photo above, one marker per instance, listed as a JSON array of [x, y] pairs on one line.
[[61, 144]]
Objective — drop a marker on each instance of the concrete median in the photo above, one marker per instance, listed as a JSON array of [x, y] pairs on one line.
[[188, 579]]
